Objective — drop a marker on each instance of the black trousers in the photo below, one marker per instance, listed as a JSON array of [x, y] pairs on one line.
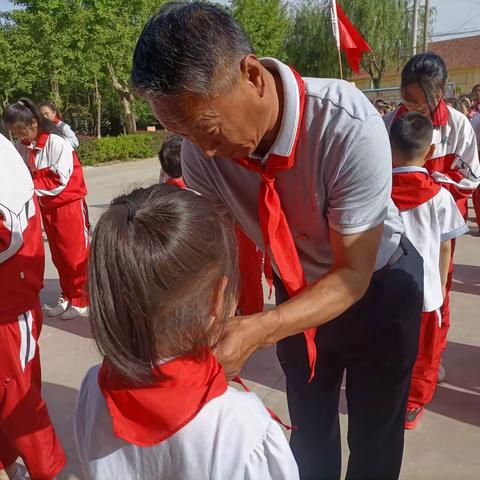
[[375, 342]]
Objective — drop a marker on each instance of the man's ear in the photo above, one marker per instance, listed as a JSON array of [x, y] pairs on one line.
[[252, 71]]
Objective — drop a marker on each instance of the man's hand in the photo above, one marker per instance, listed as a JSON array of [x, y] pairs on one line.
[[241, 338], [353, 263]]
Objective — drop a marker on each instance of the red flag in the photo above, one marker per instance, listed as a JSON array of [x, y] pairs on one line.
[[353, 44]]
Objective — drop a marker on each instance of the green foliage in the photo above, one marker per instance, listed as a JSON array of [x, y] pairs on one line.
[[386, 26], [122, 148], [265, 22], [310, 47], [79, 52], [58, 49]]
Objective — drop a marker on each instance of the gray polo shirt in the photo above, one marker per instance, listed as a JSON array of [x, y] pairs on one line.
[[341, 179]]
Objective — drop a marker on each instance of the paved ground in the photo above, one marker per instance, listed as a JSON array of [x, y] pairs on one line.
[[446, 445]]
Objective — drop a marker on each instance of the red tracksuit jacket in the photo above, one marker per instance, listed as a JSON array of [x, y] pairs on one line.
[[22, 259]]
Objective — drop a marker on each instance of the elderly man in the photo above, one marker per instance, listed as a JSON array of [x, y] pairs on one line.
[[304, 166]]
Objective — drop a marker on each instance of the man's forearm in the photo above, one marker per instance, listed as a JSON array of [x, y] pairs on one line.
[[334, 293]]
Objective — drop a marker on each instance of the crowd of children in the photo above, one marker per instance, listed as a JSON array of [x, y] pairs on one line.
[[164, 278]]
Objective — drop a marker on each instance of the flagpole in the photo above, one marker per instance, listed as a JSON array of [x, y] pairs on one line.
[[336, 34], [340, 64]]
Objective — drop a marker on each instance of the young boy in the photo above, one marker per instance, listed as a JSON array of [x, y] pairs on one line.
[[25, 427], [169, 156], [431, 220]]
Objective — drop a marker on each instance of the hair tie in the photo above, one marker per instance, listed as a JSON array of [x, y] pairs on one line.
[[21, 103], [130, 206], [132, 209]]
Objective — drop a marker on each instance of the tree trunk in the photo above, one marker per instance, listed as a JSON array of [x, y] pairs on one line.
[[57, 99], [126, 99], [98, 106]]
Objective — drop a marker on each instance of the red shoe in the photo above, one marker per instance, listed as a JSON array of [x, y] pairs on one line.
[[413, 417]]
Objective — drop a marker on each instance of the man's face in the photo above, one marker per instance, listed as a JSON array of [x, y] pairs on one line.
[[230, 125]]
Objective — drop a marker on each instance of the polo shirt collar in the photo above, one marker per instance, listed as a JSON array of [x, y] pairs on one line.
[[283, 144]]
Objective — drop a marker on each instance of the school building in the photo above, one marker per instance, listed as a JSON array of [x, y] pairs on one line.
[[462, 56]]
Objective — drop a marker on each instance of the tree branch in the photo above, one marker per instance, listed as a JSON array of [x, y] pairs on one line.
[[115, 83]]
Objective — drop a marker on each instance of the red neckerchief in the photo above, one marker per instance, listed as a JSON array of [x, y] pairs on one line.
[[275, 229], [42, 139], [250, 259], [411, 189], [176, 181], [147, 415], [440, 114]]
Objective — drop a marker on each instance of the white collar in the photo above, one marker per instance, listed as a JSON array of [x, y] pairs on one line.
[[410, 169]]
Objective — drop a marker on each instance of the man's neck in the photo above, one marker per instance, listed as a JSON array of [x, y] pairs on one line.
[[276, 117]]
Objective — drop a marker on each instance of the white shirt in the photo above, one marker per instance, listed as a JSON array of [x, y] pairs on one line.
[[68, 133], [232, 438], [458, 138], [426, 226], [341, 179]]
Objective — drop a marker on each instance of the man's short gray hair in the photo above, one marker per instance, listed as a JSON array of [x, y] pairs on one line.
[[189, 49]]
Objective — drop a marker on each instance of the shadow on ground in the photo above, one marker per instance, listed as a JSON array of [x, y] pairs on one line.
[[459, 396], [466, 279], [61, 401], [48, 297]]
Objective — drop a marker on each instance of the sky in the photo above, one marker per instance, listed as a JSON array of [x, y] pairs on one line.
[[452, 16]]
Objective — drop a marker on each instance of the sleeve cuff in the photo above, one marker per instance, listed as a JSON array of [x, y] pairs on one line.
[[354, 229], [458, 232]]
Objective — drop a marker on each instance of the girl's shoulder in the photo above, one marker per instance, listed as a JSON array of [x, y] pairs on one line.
[[56, 141]]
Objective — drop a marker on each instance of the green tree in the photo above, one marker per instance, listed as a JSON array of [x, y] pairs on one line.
[[385, 25], [17, 72], [265, 22], [310, 47]]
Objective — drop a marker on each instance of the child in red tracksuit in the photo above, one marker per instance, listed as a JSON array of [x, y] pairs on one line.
[[25, 427], [58, 179], [249, 257], [431, 220]]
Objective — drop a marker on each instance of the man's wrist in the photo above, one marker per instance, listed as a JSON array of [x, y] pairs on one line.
[[267, 328]]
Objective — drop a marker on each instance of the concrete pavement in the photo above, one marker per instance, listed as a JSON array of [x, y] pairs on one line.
[[445, 446]]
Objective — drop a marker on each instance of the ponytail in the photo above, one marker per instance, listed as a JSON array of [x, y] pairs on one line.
[[24, 111]]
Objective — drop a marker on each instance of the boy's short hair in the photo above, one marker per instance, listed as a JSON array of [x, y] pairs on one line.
[[411, 135], [170, 155]]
